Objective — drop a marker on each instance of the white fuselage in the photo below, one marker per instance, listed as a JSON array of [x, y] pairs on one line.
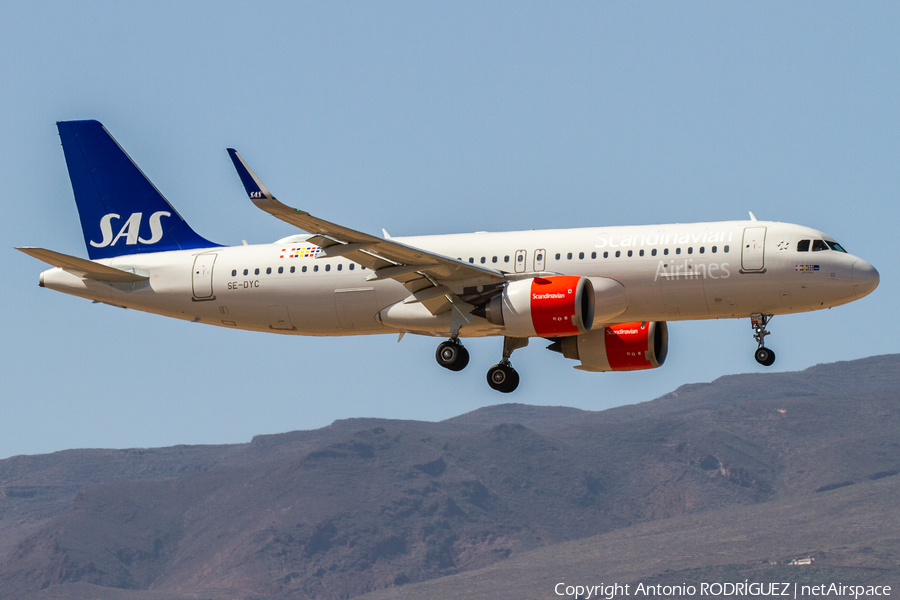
[[670, 272]]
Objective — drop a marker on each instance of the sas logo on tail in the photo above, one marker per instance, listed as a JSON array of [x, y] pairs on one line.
[[130, 230]]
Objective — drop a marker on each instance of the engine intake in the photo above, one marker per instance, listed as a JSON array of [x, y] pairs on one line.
[[624, 347], [542, 306]]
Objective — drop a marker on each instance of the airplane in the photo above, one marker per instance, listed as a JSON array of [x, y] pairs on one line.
[[600, 295]]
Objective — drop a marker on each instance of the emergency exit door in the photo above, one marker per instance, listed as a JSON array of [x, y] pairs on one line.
[[540, 255], [520, 261]]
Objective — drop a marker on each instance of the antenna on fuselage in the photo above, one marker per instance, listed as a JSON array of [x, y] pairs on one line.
[[752, 216]]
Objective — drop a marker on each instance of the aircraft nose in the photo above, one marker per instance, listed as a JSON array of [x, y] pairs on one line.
[[865, 278]]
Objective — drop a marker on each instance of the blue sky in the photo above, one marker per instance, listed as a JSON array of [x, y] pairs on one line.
[[424, 118]]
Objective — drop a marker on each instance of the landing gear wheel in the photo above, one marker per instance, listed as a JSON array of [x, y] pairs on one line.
[[503, 378], [765, 356], [452, 355]]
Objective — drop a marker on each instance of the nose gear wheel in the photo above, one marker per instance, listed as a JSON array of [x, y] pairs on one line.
[[764, 356]]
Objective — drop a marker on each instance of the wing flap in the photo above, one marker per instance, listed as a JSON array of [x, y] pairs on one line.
[[80, 267], [372, 252]]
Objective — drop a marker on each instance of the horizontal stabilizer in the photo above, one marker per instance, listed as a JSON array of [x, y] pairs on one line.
[[81, 267]]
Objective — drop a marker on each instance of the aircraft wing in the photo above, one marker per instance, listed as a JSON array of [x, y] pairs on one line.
[[421, 271], [83, 268]]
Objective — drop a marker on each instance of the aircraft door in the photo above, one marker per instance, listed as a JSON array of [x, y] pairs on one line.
[[520, 261], [202, 276], [753, 249], [539, 259]]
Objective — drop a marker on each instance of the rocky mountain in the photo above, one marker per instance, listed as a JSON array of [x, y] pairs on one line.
[[367, 504]]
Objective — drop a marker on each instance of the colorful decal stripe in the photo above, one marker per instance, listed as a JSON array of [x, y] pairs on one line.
[[301, 252]]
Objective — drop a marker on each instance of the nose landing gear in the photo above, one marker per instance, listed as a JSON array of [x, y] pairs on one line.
[[452, 355], [764, 356]]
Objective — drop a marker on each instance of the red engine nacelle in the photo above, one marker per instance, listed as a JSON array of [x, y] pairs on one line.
[[543, 306], [624, 347]]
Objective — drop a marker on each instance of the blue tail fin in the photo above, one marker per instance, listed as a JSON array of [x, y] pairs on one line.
[[121, 211]]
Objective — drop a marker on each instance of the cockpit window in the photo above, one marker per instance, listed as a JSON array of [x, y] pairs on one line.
[[837, 247], [803, 246], [819, 245]]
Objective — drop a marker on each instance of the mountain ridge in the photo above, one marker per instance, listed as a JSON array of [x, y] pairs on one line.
[[365, 504]]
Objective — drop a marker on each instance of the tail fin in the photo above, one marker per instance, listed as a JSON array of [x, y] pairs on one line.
[[121, 211]]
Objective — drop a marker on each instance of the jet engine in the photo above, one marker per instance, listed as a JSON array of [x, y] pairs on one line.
[[542, 306], [624, 347]]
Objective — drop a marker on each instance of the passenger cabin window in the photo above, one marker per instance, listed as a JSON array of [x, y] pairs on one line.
[[506, 258], [280, 270], [653, 252], [630, 253], [293, 269], [819, 245], [352, 266], [803, 246], [256, 271], [618, 253], [234, 272], [569, 256], [246, 271], [340, 266], [557, 256], [593, 255], [641, 252], [581, 255], [327, 267], [303, 269], [268, 270]]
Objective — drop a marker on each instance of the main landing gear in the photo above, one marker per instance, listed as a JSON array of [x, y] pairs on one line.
[[764, 356], [452, 355], [501, 377]]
